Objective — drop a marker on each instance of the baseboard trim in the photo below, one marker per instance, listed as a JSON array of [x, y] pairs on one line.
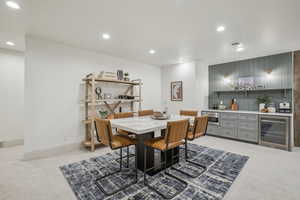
[[51, 152], [11, 143]]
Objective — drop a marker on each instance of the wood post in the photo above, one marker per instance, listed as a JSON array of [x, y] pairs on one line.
[[297, 98]]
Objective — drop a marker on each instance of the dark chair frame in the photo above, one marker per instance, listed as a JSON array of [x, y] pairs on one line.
[[128, 155], [165, 169], [120, 168], [186, 155]]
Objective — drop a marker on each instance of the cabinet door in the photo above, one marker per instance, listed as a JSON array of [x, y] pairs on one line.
[[271, 73], [248, 135], [259, 73], [284, 67], [290, 73], [212, 78], [227, 76]]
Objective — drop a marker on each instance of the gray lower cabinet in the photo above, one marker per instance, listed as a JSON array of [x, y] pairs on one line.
[[248, 135], [248, 127], [229, 132], [228, 123], [213, 130], [237, 126]]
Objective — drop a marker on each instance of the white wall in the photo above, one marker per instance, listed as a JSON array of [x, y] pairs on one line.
[[195, 86], [12, 95], [52, 90], [202, 85]]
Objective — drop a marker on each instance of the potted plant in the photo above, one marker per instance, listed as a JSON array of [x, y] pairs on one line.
[[103, 114], [263, 102]]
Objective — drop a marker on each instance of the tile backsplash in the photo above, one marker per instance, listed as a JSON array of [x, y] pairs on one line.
[[247, 100]]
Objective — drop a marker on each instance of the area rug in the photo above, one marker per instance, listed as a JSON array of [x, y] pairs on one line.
[[222, 169]]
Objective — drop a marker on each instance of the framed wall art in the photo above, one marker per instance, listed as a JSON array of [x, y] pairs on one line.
[[176, 91]]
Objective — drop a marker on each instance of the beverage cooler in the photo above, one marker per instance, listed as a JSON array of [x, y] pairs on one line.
[[274, 132]]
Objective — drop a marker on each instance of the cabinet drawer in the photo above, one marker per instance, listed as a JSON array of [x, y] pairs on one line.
[[213, 130], [228, 132], [248, 135], [248, 124], [229, 123], [248, 117], [229, 116]]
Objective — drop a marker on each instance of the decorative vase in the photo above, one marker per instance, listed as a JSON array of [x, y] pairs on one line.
[[262, 106]]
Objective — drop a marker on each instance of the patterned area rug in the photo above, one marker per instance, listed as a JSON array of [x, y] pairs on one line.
[[222, 169]]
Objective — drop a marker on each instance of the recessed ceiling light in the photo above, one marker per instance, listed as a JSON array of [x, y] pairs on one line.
[[105, 36], [239, 49], [152, 51], [13, 5], [9, 43], [221, 28]]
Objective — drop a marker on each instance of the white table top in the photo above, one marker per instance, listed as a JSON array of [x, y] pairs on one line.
[[141, 125]]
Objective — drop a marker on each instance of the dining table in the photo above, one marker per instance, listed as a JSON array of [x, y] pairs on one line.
[[145, 128]]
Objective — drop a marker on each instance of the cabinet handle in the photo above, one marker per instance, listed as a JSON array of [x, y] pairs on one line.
[[270, 121]]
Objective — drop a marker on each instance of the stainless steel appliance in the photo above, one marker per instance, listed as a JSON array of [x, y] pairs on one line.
[[274, 131], [213, 117], [285, 107]]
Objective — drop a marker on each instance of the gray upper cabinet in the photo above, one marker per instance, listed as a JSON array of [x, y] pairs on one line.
[[270, 72], [225, 78]]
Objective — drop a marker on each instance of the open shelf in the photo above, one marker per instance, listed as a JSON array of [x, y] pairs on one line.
[[114, 100], [91, 103], [111, 81]]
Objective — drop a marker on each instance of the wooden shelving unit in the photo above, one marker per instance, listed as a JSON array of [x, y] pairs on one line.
[[91, 103]]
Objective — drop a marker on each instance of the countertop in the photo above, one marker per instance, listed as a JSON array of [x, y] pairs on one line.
[[251, 112]]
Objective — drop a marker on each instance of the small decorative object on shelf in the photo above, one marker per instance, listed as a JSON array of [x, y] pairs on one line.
[[125, 97], [126, 76], [103, 114], [107, 96], [108, 75], [120, 75], [98, 92], [246, 83]]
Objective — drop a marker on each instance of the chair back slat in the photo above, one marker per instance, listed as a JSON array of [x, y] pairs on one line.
[[103, 130], [176, 131], [200, 126], [192, 113], [123, 115], [145, 112]]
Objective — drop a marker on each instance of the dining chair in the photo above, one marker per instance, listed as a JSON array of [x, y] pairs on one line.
[[192, 113], [199, 130], [145, 113], [123, 132], [174, 137], [123, 115], [104, 134]]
